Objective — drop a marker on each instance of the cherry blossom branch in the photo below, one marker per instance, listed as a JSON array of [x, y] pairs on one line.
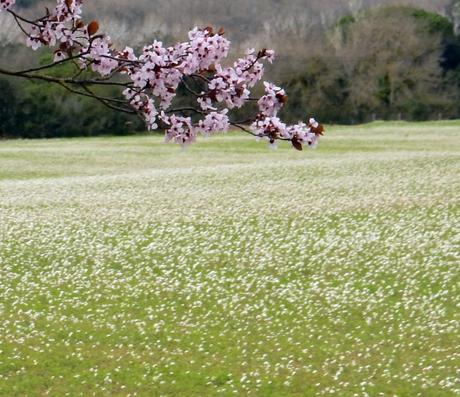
[[150, 80]]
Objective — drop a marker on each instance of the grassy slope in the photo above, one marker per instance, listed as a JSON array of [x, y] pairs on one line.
[[130, 266]]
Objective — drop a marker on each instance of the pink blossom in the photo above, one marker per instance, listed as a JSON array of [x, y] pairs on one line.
[[205, 103], [6, 4], [150, 114], [66, 36], [270, 127], [180, 130], [66, 12], [272, 101], [270, 55], [101, 56], [128, 54], [59, 56], [214, 122], [33, 38], [313, 123], [144, 105], [209, 48], [48, 34]]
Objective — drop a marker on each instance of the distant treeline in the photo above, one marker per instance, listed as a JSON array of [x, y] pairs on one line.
[[39, 110], [383, 63], [387, 63]]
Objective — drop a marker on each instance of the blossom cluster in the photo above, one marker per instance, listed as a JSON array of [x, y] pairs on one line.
[[62, 25], [214, 122], [231, 85], [180, 129], [145, 105], [273, 100], [272, 128], [100, 56], [155, 75]]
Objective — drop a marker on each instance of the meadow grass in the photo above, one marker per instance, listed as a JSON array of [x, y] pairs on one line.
[[133, 268]]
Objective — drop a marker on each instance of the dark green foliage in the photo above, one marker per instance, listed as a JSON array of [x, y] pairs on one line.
[[435, 23], [31, 109], [39, 110], [343, 25], [321, 92], [8, 107], [438, 24], [346, 21]]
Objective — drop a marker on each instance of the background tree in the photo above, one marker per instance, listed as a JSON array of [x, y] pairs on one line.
[[392, 61], [388, 63]]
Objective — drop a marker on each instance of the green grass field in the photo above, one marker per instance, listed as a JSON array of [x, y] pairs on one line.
[[133, 268]]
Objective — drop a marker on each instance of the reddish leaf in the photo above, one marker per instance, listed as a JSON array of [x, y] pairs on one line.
[[239, 91], [282, 98], [262, 53], [317, 130], [297, 144], [213, 95], [69, 3], [93, 27]]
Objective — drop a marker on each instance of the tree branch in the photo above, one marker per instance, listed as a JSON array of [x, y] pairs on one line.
[[17, 16], [67, 80], [186, 109], [103, 100], [244, 129], [51, 65], [187, 87]]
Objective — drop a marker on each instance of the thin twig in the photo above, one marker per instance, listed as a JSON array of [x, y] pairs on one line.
[[244, 129], [17, 16], [187, 87], [51, 65], [186, 109], [100, 99], [20, 26], [201, 77]]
